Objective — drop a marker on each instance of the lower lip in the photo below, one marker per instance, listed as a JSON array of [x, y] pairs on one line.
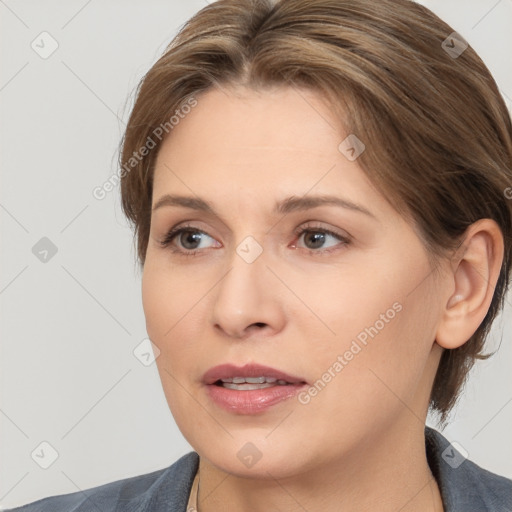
[[252, 401]]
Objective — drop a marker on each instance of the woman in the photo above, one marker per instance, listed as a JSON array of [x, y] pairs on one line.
[[320, 193]]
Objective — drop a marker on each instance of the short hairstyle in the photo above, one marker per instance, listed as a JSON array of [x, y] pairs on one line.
[[437, 132]]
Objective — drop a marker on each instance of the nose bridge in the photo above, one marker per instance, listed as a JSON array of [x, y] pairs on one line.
[[244, 295]]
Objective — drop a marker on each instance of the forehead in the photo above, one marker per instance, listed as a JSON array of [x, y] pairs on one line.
[[239, 121], [277, 142]]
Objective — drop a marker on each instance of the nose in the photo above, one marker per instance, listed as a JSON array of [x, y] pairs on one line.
[[246, 302]]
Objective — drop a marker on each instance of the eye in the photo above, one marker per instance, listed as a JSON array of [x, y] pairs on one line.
[[188, 242], [318, 238]]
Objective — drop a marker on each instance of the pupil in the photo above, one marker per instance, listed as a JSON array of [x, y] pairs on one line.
[[321, 235], [188, 237]]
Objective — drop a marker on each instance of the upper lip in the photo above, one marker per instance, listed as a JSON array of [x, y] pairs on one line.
[[226, 371]]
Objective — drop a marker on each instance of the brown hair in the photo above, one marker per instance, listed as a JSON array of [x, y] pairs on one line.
[[438, 135]]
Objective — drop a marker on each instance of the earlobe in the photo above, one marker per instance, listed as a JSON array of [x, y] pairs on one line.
[[475, 272]]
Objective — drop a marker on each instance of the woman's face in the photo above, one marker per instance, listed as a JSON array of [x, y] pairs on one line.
[[352, 314]]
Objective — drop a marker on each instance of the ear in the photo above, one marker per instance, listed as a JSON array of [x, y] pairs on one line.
[[474, 273]]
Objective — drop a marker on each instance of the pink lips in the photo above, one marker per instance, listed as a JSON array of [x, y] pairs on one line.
[[250, 401]]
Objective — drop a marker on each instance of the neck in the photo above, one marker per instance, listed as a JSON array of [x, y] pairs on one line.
[[390, 472]]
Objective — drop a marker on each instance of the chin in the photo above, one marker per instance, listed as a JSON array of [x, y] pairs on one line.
[[255, 456]]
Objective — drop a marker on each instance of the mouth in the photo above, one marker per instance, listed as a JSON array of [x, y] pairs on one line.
[[250, 374], [250, 389]]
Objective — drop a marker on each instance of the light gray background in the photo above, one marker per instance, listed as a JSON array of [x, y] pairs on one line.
[[70, 325]]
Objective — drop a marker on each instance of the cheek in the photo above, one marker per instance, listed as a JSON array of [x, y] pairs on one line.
[[167, 309], [173, 311], [166, 297], [356, 301], [382, 329], [154, 298]]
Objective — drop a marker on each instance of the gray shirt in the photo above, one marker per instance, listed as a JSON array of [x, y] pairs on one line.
[[464, 486]]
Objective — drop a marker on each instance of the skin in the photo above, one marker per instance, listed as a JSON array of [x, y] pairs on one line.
[[359, 443]]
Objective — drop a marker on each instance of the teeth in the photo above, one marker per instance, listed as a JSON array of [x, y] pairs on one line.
[[251, 380], [255, 380], [249, 383], [247, 387]]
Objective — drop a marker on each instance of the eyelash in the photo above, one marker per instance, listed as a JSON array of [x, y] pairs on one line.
[[173, 233]]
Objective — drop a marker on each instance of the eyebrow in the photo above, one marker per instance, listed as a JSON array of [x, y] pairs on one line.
[[288, 205]]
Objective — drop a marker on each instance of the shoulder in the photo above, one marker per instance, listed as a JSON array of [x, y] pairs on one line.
[[465, 485], [165, 489]]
